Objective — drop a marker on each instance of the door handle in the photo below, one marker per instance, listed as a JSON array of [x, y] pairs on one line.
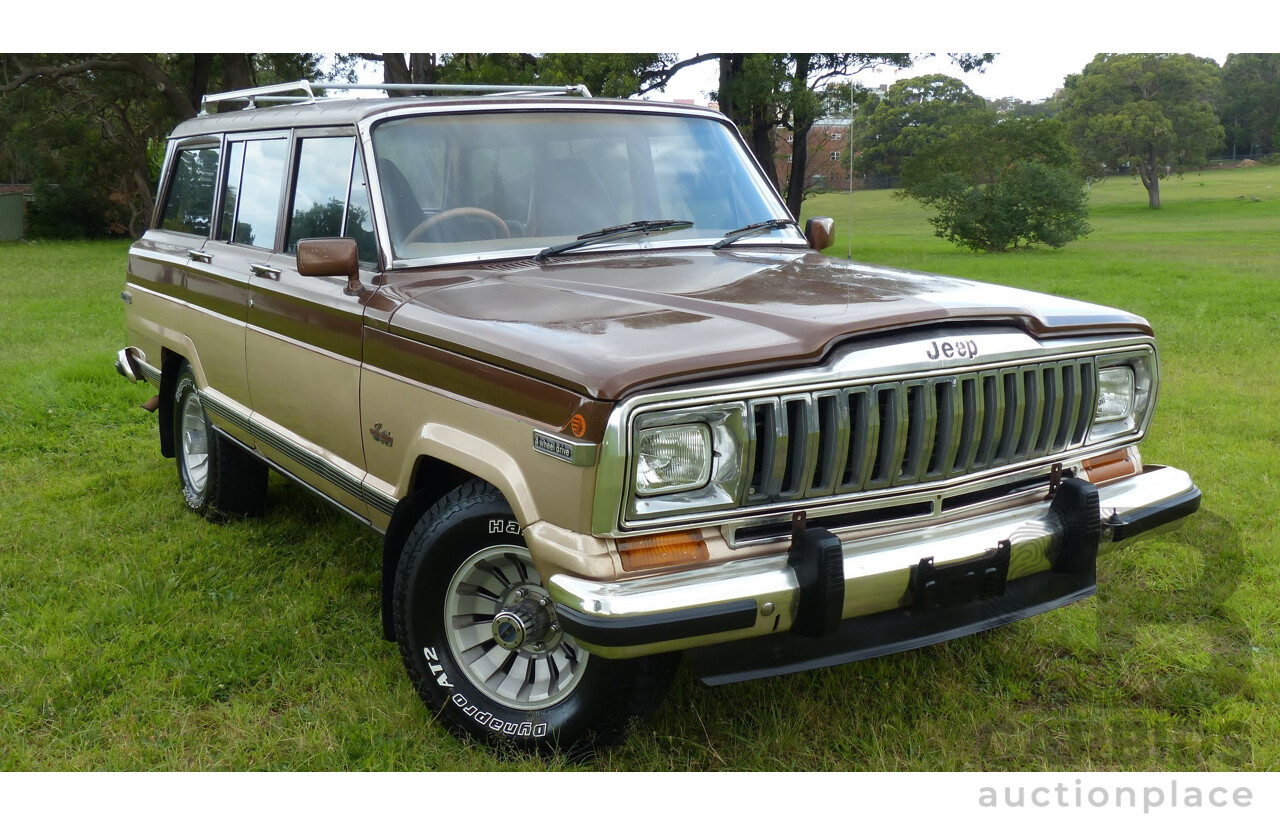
[[197, 255], [264, 271]]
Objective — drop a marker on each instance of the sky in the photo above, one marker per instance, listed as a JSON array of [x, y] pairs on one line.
[[1038, 43], [1023, 74]]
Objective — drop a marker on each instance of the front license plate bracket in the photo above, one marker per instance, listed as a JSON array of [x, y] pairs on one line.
[[935, 586]]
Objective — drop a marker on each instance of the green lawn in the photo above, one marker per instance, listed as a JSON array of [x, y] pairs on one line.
[[135, 636]]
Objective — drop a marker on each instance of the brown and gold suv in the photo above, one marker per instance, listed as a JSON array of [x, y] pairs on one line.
[[607, 402]]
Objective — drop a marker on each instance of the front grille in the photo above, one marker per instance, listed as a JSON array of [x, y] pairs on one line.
[[880, 436]]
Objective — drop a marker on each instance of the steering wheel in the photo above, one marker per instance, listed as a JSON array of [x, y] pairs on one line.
[[455, 214]]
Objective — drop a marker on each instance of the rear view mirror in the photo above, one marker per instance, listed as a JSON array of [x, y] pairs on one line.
[[820, 232], [327, 257]]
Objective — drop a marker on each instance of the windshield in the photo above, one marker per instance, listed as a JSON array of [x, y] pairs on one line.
[[505, 181]]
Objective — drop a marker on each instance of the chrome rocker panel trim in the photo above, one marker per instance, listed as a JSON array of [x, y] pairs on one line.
[[760, 597]]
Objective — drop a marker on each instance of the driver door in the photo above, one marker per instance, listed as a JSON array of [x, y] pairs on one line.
[[305, 336]]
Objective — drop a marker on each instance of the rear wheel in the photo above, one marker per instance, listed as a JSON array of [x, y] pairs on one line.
[[479, 636], [219, 479]]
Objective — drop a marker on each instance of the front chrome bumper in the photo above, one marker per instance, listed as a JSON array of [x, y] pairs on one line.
[[882, 576]]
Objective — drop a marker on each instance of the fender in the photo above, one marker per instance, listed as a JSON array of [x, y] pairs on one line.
[[474, 456]]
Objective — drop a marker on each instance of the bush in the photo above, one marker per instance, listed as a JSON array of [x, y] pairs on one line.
[[1000, 183], [66, 213], [1031, 203]]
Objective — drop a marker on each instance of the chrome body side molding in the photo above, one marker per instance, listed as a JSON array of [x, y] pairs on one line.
[[331, 471]]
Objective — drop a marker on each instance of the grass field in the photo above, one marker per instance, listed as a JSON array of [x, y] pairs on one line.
[[135, 636]]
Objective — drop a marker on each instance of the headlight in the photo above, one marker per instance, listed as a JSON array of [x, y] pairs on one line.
[[1115, 394], [1126, 394], [686, 460], [673, 459]]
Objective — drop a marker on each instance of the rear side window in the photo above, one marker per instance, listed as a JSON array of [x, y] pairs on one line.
[[189, 205]]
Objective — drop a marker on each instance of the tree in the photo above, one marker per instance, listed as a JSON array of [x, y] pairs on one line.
[[1013, 107], [1251, 101], [88, 130], [997, 182], [912, 114], [1151, 113], [607, 75], [763, 92]]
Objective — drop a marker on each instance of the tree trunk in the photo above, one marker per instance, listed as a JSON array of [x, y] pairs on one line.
[[143, 202], [730, 67], [799, 165], [235, 72], [1153, 192], [756, 123], [764, 144], [1150, 172], [420, 68], [394, 70], [801, 122], [235, 76], [201, 69]]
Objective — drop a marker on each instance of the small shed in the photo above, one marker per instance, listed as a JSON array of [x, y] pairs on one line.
[[13, 210]]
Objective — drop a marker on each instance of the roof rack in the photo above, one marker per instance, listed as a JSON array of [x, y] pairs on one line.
[[280, 92]]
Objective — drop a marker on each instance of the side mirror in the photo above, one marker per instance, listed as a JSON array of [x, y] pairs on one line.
[[327, 257], [820, 232]]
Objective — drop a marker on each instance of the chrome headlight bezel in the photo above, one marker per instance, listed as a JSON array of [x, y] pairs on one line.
[[726, 424], [1141, 364]]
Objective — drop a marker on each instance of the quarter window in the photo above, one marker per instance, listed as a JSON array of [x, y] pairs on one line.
[[189, 205], [231, 190]]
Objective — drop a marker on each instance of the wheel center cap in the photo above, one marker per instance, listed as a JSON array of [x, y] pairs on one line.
[[524, 623]]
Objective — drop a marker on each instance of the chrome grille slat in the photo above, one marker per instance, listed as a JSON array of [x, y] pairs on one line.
[[799, 416], [1032, 387], [1051, 384], [1088, 400], [805, 445], [1015, 402], [833, 442], [971, 424], [1070, 405], [864, 435]]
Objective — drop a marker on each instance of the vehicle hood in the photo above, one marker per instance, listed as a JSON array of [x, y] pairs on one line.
[[606, 325]]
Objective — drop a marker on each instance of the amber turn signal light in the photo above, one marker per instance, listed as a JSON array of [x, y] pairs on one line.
[[664, 550], [1106, 467]]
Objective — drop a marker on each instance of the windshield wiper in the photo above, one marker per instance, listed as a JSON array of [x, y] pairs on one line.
[[753, 229], [612, 233]]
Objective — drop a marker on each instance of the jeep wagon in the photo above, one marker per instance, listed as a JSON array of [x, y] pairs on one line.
[[608, 403]]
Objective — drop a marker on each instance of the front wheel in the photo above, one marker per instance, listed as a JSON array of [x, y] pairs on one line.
[[479, 636]]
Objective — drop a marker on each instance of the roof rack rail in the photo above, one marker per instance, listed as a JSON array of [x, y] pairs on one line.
[[280, 92]]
